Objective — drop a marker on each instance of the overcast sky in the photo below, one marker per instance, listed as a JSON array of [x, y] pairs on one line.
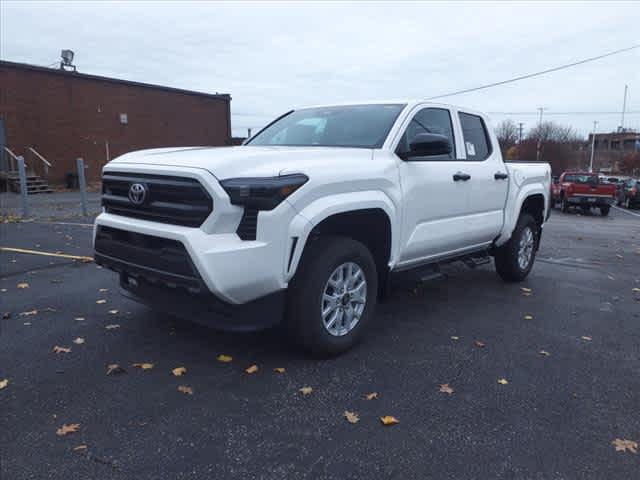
[[274, 56]]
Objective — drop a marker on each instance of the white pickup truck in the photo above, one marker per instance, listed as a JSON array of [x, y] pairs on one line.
[[311, 219]]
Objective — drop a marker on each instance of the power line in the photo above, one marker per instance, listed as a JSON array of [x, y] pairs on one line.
[[632, 112], [530, 75]]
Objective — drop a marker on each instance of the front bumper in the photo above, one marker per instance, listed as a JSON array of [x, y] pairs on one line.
[[185, 295]]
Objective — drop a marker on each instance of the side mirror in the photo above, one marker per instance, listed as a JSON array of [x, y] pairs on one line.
[[428, 144]]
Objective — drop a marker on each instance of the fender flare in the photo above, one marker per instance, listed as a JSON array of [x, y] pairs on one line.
[[319, 210], [512, 215]]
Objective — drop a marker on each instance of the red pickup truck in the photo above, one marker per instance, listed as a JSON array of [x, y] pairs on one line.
[[584, 190]]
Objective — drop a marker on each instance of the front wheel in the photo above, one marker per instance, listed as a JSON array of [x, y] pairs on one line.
[[332, 296], [514, 260], [604, 210]]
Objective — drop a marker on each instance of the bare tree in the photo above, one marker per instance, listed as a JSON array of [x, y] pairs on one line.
[[559, 145], [507, 133], [552, 132]]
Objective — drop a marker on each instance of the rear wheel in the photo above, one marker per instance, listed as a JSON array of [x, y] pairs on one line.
[[333, 295], [515, 258], [604, 210]]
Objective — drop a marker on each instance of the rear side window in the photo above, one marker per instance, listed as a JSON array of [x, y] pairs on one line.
[[475, 136]]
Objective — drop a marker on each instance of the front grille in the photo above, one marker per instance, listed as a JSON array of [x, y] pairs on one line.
[[156, 255], [174, 200]]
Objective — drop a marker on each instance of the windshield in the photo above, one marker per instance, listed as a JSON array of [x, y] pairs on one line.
[[360, 126], [581, 178]]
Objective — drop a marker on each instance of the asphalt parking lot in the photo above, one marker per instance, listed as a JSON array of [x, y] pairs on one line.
[[555, 418]]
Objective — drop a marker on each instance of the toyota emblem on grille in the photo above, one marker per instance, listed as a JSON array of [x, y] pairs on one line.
[[137, 193]]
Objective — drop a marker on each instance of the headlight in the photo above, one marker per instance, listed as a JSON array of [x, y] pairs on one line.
[[262, 193]]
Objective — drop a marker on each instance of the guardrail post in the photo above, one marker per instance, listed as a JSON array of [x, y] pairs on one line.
[[83, 185], [22, 172]]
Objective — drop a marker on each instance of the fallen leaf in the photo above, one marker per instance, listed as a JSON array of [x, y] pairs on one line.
[[610, 277], [619, 256], [113, 312], [479, 344], [115, 369], [102, 290], [371, 396], [4, 383], [544, 353], [389, 420], [624, 445], [144, 366], [3, 290], [179, 371], [185, 389], [279, 370], [503, 381], [454, 337], [528, 317], [30, 312], [79, 341], [526, 290], [101, 301], [112, 326], [445, 388], [57, 349], [49, 309], [252, 369], [526, 294], [23, 285], [352, 417], [224, 358], [65, 429], [306, 390], [79, 448], [586, 338], [79, 319], [635, 290], [6, 315]]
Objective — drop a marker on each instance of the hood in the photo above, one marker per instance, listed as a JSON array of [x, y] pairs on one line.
[[248, 161]]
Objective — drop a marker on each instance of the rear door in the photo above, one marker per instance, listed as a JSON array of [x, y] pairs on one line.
[[435, 213], [488, 187]]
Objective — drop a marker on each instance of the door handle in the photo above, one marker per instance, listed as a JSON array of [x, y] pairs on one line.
[[461, 176], [500, 176]]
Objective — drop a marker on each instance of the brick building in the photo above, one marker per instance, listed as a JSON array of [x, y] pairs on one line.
[[64, 115]]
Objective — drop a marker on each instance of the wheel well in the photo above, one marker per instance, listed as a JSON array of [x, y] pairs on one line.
[[370, 227], [534, 206]]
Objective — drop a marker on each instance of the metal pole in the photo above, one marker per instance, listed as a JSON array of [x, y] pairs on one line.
[[624, 107], [23, 186], [106, 149], [83, 185], [593, 146]]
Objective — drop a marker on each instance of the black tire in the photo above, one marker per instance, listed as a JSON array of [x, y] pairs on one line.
[[506, 256], [604, 210], [303, 317], [565, 205]]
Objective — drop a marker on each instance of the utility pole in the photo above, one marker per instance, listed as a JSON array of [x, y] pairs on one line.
[[520, 132], [624, 107], [593, 146], [539, 145]]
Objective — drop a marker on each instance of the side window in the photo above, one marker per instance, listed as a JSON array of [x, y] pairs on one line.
[[475, 136], [429, 120]]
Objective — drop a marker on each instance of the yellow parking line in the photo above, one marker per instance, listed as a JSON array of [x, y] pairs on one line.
[[46, 254]]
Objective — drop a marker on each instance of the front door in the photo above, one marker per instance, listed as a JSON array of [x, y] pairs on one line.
[[435, 195]]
